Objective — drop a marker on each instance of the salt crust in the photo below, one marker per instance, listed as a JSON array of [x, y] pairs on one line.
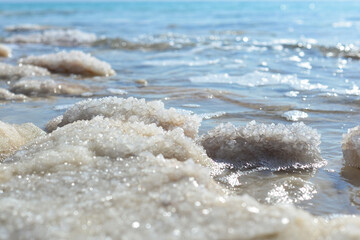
[[13, 136], [63, 37], [41, 87], [351, 147], [75, 62], [103, 178], [7, 95], [15, 72], [26, 27], [5, 51], [132, 110], [260, 145]]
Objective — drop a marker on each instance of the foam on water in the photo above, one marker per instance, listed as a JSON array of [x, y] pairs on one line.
[[260, 145], [133, 110], [351, 147], [105, 178], [13, 136], [7, 95], [75, 62], [5, 51], [46, 86], [62, 37], [10, 72]]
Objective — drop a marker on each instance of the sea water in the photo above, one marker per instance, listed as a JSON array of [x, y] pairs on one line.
[[272, 62]]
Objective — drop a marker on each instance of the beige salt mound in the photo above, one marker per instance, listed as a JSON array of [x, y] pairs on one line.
[[9, 72], [272, 146], [101, 179], [7, 95], [44, 87], [130, 109], [5, 51], [13, 136], [62, 37], [74, 62], [351, 147]]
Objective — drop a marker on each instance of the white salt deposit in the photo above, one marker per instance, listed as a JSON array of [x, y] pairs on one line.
[[75, 62], [133, 110], [15, 72], [7, 95], [260, 145], [351, 147], [5, 51], [117, 91], [41, 87], [13, 136], [26, 27], [294, 115], [63, 37], [259, 78], [101, 179]]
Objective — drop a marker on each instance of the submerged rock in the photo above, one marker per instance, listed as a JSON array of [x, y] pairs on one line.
[[260, 145], [104, 178], [351, 147], [13, 136], [9, 72], [62, 37], [5, 51], [133, 110], [75, 62], [7, 95], [41, 87]]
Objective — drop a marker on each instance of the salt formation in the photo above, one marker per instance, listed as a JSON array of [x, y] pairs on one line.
[[133, 110], [75, 62], [13, 136], [294, 115], [351, 147], [15, 72], [61, 37], [40, 87], [26, 27], [5, 51], [7, 95], [260, 145], [103, 178]]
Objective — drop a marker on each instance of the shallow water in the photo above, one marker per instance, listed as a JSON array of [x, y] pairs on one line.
[[229, 62]]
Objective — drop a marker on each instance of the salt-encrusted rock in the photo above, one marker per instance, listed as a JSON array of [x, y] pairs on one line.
[[260, 145], [5, 51], [351, 147], [108, 137], [41, 87], [62, 37], [294, 115], [13, 136], [75, 62], [133, 110], [7, 95], [9, 72], [26, 27], [103, 178]]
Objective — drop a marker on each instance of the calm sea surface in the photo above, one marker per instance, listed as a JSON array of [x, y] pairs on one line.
[[230, 61]]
